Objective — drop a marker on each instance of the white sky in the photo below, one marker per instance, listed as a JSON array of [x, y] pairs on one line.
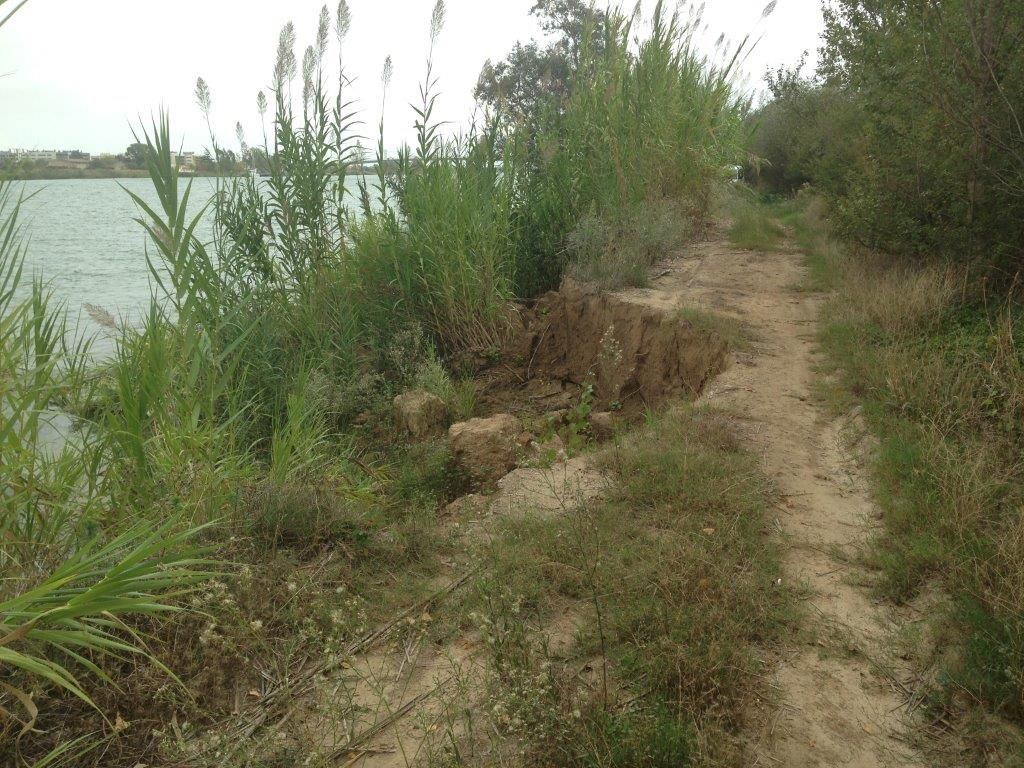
[[77, 74]]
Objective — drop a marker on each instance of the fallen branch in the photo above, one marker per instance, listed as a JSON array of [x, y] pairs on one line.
[[382, 725]]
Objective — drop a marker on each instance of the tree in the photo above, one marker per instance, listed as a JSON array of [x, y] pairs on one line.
[[942, 84], [808, 132], [256, 158], [535, 74], [135, 155], [226, 158]]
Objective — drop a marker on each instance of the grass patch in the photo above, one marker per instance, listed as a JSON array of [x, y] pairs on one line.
[[754, 226], [734, 332], [673, 580], [805, 217]]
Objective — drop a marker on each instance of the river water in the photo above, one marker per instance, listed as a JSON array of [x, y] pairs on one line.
[[83, 239]]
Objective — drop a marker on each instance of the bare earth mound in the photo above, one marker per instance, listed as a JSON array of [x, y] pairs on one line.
[[635, 356]]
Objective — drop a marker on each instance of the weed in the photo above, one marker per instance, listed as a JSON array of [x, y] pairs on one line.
[[578, 420]]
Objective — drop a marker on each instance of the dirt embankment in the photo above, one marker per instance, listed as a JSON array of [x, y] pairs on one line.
[[634, 356]]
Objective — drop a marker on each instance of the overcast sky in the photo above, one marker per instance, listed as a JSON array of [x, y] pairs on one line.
[[77, 74]]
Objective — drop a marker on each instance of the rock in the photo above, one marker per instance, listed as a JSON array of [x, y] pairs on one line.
[[602, 425], [420, 414], [486, 449], [546, 452]]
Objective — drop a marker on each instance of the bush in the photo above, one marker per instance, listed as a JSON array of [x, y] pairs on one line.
[[617, 251]]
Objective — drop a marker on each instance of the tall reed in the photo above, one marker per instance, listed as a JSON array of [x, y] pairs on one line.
[[66, 581], [645, 121]]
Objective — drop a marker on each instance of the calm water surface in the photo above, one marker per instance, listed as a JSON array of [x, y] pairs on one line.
[[84, 240]]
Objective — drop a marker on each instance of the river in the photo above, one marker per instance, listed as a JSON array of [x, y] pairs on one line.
[[83, 239]]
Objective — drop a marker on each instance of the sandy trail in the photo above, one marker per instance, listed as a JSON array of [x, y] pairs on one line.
[[410, 694], [838, 686]]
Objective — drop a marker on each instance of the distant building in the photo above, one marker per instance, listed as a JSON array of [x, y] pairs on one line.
[[45, 155], [185, 161], [73, 155]]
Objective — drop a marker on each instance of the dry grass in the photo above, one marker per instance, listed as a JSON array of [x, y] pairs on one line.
[[938, 366], [897, 300]]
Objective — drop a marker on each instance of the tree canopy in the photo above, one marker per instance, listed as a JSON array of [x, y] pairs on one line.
[[540, 72]]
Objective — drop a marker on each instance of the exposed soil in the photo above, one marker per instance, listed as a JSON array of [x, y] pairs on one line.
[[635, 356], [840, 700], [412, 691]]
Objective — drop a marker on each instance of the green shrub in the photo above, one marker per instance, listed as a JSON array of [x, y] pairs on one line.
[[617, 252], [305, 517]]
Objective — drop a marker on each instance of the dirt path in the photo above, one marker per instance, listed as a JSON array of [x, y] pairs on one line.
[[396, 704], [839, 690]]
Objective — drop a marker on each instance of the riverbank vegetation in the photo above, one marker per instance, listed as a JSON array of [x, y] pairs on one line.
[[910, 133], [230, 505]]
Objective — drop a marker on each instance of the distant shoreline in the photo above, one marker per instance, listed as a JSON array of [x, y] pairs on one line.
[[65, 174]]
